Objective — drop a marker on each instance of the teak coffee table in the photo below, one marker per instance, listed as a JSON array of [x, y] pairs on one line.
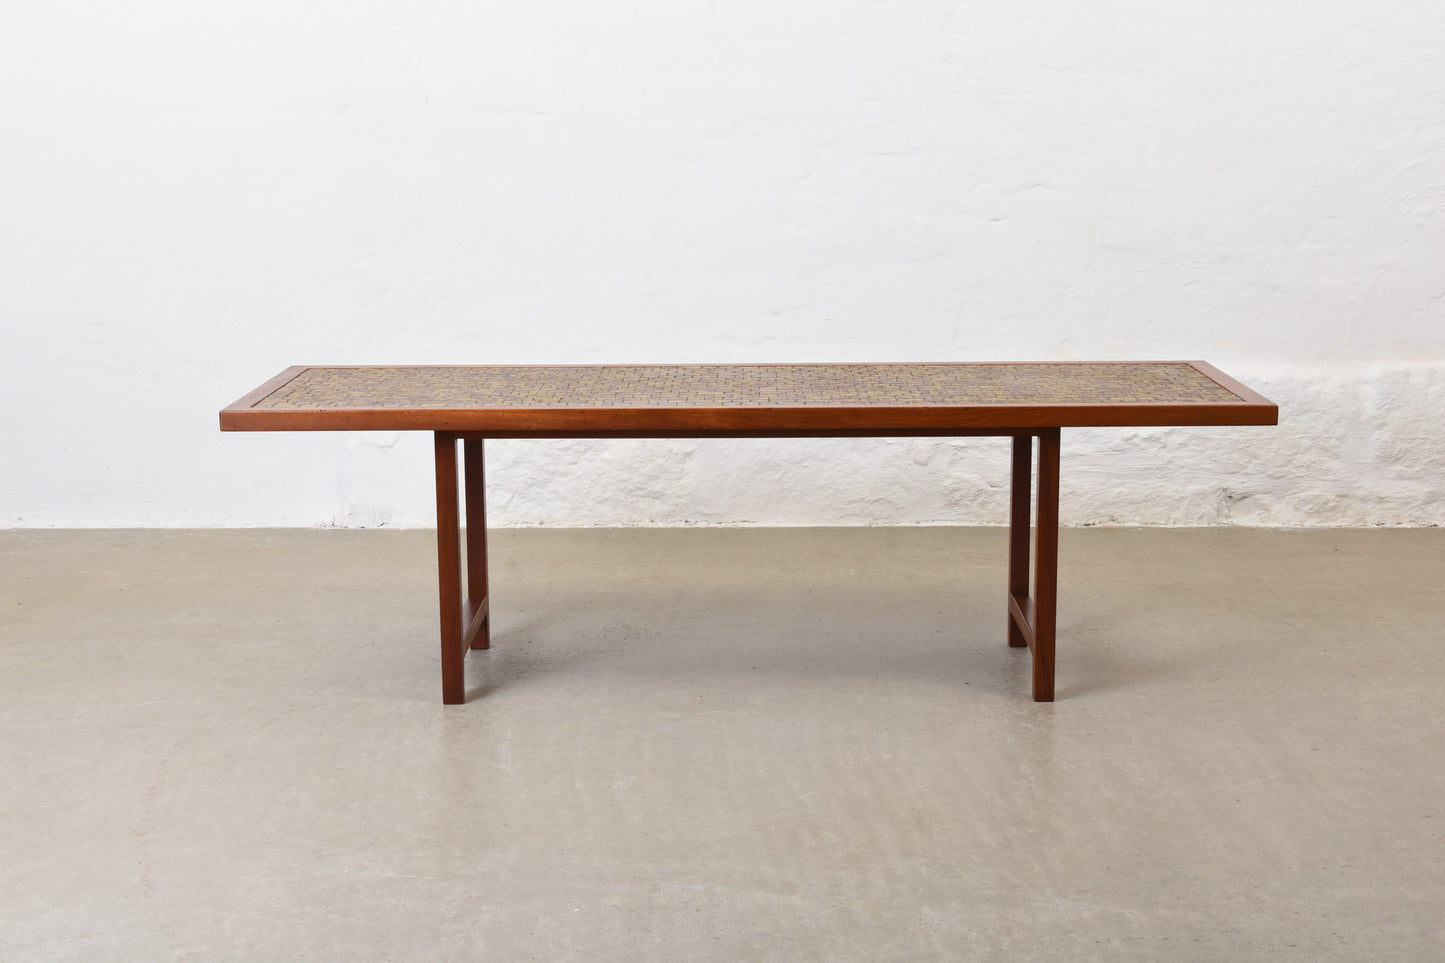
[[471, 404]]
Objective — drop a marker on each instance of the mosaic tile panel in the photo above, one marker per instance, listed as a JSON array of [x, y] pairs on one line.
[[745, 386]]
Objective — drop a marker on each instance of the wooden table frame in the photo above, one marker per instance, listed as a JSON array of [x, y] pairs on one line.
[[1032, 603], [466, 610]]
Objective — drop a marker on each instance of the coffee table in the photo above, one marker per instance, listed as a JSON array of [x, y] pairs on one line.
[[1029, 402]]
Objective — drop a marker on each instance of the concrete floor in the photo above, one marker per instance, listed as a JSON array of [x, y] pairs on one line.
[[721, 745]]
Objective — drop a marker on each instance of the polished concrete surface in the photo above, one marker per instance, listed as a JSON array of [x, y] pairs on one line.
[[721, 745]]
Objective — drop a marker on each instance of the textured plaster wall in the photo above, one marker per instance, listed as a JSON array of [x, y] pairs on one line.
[[195, 196]]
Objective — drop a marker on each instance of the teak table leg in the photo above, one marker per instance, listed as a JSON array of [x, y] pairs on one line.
[[1033, 621], [1046, 566], [477, 618], [465, 618], [1018, 533], [449, 571]]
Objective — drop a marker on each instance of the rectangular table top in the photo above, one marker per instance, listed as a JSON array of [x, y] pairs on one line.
[[743, 399]]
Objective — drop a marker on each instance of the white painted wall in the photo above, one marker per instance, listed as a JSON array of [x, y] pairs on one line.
[[193, 196]]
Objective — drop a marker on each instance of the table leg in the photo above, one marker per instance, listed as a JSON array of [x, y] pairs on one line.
[[449, 571], [1033, 620], [477, 617], [1018, 534], [1046, 566]]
